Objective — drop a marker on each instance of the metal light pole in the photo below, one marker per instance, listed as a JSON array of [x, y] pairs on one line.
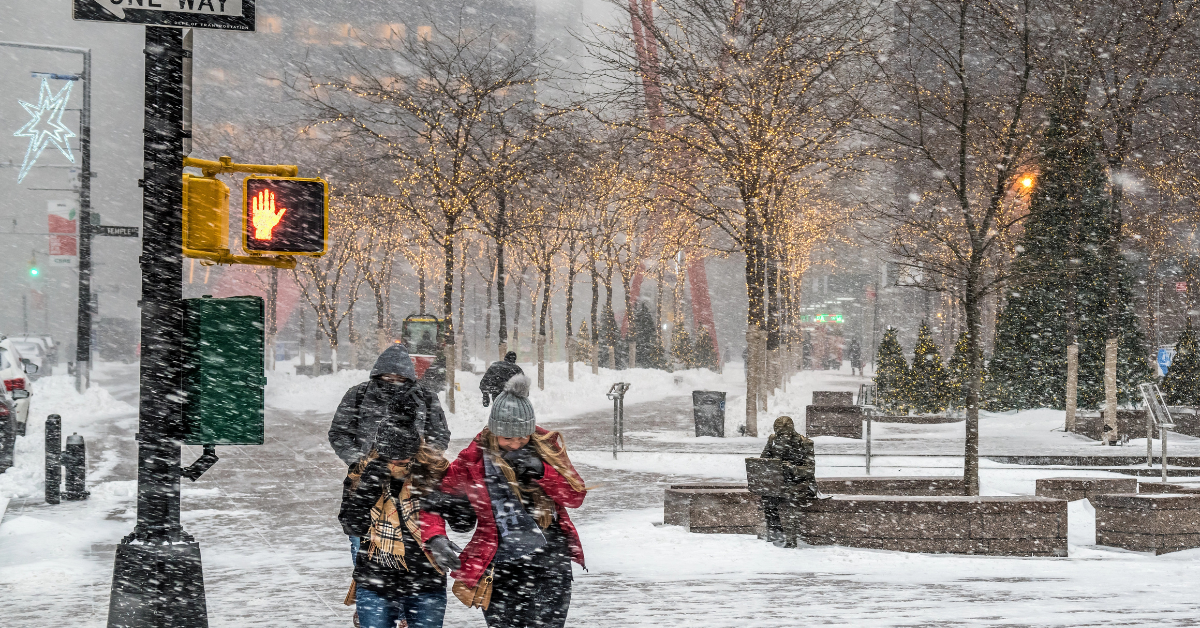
[[83, 330]]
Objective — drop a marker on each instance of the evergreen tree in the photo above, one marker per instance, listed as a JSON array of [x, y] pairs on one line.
[[959, 376], [704, 354], [650, 352], [891, 374], [1068, 220], [681, 346], [927, 381], [1181, 386], [610, 340]]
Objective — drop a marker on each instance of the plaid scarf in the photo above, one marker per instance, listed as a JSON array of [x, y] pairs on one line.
[[388, 523]]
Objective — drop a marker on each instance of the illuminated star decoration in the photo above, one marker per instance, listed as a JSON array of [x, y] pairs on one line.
[[46, 126]]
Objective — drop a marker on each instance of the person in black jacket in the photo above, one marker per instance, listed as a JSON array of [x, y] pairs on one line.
[[493, 381], [384, 496], [798, 455], [392, 391]]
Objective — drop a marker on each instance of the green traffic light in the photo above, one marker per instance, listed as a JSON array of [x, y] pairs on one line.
[[33, 272]]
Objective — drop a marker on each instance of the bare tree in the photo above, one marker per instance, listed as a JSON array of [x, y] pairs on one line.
[[959, 100], [741, 97]]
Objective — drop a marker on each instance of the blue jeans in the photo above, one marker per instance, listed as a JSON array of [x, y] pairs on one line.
[[424, 610], [355, 543]]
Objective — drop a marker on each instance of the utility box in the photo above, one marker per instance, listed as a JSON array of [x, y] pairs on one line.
[[224, 375]]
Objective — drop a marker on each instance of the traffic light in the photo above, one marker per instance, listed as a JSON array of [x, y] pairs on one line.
[[285, 216], [205, 214], [34, 271]]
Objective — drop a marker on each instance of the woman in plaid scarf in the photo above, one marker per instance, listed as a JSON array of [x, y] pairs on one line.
[[396, 575]]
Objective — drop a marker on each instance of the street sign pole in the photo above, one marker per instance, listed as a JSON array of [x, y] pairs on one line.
[[158, 580], [83, 325], [83, 321]]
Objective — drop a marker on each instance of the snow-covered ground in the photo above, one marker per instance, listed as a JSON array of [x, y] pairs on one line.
[[262, 569]]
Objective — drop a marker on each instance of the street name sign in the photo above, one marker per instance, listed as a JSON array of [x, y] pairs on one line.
[[111, 230], [230, 15]]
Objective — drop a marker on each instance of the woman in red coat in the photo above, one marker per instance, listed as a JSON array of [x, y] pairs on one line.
[[520, 483]]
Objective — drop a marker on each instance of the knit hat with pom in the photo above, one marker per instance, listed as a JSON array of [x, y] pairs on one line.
[[512, 414]]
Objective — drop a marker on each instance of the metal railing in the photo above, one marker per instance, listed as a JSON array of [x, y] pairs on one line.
[[1157, 416]]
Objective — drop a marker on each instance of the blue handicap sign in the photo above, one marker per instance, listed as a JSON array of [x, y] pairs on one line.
[[1164, 360]]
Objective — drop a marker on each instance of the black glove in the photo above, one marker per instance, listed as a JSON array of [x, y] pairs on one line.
[[445, 553], [526, 464], [434, 501], [377, 469]]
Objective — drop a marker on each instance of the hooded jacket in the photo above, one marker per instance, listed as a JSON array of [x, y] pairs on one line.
[[465, 477], [365, 405]]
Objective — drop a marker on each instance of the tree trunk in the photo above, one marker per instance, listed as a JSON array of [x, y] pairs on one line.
[[972, 303], [487, 315], [632, 352], [570, 346], [501, 308], [1072, 384], [272, 308], [448, 279], [421, 281], [302, 364], [541, 358], [451, 366], [751, 383], [1111, 338]]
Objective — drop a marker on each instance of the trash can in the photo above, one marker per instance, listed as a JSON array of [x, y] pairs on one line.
[[708, 408]]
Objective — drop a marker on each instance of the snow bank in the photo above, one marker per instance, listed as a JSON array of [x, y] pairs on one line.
[[56, 395]]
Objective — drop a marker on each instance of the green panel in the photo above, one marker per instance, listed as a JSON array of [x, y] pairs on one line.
[[224, 371]]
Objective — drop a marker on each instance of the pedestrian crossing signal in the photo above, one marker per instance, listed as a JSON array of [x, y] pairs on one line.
[[285, 216]]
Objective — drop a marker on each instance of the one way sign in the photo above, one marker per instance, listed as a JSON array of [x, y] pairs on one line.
[[233, 15]]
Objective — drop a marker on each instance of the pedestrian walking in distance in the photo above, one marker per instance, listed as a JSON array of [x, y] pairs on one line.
[[498, 374], [521, 483], [856, 358], [397, 574]]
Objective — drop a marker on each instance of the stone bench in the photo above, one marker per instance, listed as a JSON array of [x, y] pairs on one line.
[[843, 421], [1148, 522], [716, 508], [1071, 489], [996, 526], [916, 419], [1166, 487], [730, 508], [1130, 423], [884, 485]]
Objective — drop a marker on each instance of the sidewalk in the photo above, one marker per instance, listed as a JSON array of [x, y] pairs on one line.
[[274, 554]]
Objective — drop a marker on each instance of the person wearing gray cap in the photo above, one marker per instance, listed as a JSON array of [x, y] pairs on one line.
[[519, 480]]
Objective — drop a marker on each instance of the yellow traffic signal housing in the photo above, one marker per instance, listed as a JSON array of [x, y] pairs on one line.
[[205, 214], [285, 216]]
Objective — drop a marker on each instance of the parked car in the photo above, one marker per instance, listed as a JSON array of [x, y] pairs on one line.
[[8, 428], [49, 349], [32, 349], [15, 370]]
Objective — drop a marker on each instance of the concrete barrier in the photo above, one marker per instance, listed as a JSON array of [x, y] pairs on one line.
[[1071, 489], [1148, 522], [995, 526], [1130, 423]]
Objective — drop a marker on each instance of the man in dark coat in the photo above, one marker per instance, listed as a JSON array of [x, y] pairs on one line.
[[799, 465], [856, 361], [392, 392], [493, 381]]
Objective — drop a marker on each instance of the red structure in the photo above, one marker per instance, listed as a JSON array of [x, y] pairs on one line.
[[697, 276]]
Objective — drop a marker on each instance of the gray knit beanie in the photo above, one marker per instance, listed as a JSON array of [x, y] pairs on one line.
[[512, 414]]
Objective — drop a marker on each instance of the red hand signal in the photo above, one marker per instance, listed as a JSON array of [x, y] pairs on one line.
[[263, 214]]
